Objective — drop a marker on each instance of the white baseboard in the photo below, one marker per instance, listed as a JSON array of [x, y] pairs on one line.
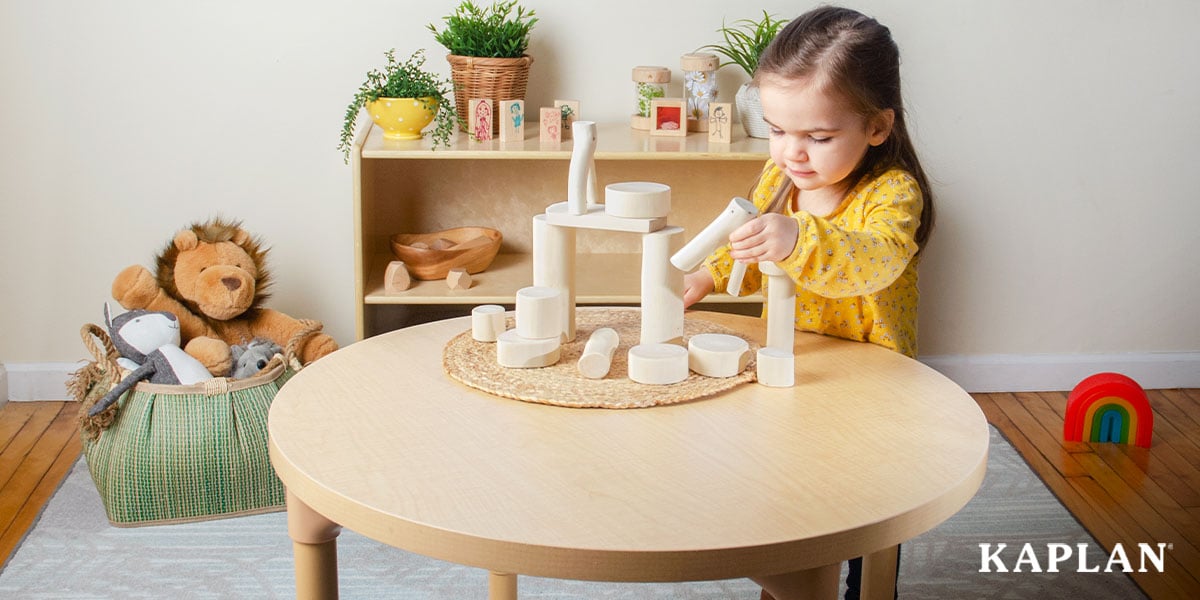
[[979, 373], [38, 381], [1062, 372]]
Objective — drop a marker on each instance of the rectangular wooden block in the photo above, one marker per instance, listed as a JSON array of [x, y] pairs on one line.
[[596, 218], [480, 119], [512, 120], [720, 122], [569, 111], [550, 126]]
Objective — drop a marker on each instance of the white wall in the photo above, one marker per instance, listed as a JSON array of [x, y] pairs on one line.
[[1060, 136]]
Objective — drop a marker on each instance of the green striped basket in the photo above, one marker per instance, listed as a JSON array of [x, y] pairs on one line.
[[167, 454]]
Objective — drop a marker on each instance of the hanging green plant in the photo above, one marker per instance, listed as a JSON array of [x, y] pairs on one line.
[[404, 79]]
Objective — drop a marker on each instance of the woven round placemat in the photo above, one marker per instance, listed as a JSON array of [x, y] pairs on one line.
[[474, 364]]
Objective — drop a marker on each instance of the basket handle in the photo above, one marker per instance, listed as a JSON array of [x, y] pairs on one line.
[[105, 352], [291, 352]]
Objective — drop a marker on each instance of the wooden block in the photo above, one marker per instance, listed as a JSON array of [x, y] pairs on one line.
[[569, 113], [668, 117], [596, 359], [480, 119], [776, 368], [512, 120], [550, 127], [458, 279], [487, 322], [516, 352], [539, 312], [442, 244], [637, 200], [720, 122], [396, 277], [596, 218], [658, 364], [718, 354]]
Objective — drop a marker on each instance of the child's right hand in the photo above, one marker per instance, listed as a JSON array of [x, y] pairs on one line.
[[696, 285]]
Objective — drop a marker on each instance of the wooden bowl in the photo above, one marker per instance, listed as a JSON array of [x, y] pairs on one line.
[[432, 255]]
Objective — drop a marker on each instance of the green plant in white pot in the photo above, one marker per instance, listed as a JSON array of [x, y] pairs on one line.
[[744, 42], [403, 98]]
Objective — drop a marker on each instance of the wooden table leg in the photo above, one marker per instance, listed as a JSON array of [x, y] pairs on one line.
[[314, 545], [879, 574], [819, 582], [502, 586]]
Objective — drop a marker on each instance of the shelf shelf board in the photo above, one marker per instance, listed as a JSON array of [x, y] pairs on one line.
[[614, 141], [499, 283]]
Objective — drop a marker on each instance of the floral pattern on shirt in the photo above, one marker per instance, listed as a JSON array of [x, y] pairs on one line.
[[855, 270]]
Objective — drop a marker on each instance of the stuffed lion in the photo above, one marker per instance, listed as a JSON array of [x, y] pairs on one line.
[[213, 276]]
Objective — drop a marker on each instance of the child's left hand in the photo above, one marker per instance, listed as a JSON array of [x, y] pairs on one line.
[[768, 238]]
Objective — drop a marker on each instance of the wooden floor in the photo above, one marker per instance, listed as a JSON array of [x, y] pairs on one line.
[[1121, 494]]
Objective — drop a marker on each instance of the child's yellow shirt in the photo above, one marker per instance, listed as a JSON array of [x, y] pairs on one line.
[[855, 270]]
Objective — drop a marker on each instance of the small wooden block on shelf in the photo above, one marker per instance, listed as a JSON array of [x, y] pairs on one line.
[[458, 279], [396, 277]]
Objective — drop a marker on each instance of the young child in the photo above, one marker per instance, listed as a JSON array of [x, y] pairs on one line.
[[846, 205]]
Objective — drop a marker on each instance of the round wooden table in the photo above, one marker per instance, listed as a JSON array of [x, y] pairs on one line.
[[869, 449]]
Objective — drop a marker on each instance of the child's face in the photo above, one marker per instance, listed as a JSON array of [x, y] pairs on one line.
[[814, 137]]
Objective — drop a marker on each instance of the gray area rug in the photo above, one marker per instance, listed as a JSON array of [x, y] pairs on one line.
[[72, 552]]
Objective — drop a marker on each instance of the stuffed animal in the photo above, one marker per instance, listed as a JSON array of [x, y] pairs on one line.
[[149, 341], [252, 357], [213, 276]]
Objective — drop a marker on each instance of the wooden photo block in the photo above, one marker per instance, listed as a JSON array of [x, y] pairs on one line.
[[396, 277], [512, 120], [480, 118], [569, 111], [458, 279], [550, 126], [720, 122], [668, 117]]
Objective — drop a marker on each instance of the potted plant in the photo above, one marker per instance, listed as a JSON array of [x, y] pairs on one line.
[[744, 42], [487, 51], [402, 99]]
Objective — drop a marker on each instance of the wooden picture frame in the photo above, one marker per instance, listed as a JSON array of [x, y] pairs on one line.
[[668, 116]]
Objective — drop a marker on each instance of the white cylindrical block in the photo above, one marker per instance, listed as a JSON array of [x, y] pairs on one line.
[[718, 354], [739, 212], [584, 134], [554, 266], [736, 275], [781, 307], [658, 364], [517, 352], [539, 313], [662, 288], [776, 368], [596, 359], [637, 199], [487, 322]]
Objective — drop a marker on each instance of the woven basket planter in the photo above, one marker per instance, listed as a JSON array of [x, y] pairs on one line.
[[494, 78]]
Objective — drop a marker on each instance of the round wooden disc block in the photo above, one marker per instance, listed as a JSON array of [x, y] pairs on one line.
[[474, 364]]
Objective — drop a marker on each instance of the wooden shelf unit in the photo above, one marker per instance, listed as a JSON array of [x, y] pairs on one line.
[[408, 187]]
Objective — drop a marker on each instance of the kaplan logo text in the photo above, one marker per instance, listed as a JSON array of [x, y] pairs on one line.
[[1027, 560]]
